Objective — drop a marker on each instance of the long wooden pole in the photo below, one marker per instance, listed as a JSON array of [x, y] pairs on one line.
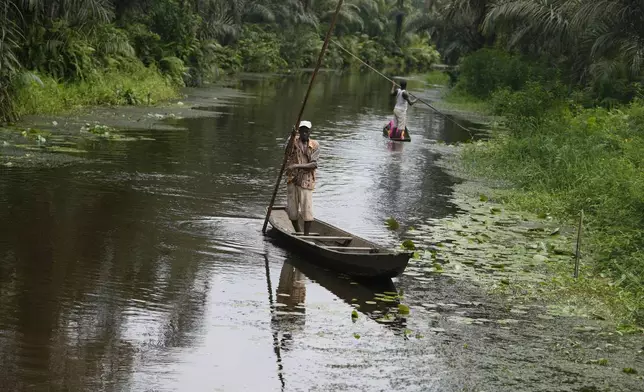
[[299, 116]]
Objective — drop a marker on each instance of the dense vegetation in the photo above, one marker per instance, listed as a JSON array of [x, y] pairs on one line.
[[565, 77], [115, 51]]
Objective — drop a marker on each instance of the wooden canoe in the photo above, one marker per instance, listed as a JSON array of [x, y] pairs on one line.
[[333, 248], [385, 133]]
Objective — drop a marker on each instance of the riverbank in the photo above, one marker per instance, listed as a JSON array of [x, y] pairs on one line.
[[555, 166], [43, 95]]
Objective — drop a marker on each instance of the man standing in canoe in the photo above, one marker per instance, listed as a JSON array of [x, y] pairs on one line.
[[400, 110], [300, 177]]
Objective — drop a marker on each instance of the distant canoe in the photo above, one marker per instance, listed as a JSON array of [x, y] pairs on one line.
[[334, 248], [385, 133]]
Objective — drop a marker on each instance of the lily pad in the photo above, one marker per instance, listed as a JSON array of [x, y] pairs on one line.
[[540, 258], [392, 224], [408, 244], [403, 309]]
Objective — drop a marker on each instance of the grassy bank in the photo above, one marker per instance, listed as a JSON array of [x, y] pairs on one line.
[[45, 95], [559, 158]]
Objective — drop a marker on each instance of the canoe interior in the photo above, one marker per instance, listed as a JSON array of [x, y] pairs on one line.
[[385, 133], [338, 238]]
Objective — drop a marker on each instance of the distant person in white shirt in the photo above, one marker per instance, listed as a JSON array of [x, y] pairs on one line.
[[400, 110]]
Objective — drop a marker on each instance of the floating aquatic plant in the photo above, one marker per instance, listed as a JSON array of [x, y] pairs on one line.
[[403, 309], [392, 224]]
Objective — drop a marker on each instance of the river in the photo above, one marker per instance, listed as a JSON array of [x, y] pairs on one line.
[[144, 268]]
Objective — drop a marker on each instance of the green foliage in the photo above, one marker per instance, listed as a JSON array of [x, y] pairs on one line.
[[259, 50], [173, 68], [562, 159], [146, 43], [488, 70], [437, 78], [300, 47], [110, 87], [533, 101], [419, 54]]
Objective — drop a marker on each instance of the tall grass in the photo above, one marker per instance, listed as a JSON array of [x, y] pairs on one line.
[[108, 87], [437, 78], [562, 159]]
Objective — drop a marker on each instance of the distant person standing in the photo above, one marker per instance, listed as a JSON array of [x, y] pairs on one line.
[[300, 177], [400, 110]]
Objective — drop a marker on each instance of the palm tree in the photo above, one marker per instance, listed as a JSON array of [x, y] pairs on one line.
[[598, 39]]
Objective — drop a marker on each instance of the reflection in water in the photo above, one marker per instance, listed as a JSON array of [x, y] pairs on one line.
[[361, 293], [395, 146], [291, 290], [289, 316], [275, 330]]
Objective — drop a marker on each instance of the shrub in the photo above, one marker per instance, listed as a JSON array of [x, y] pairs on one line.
[[260, 50], [488, 70]]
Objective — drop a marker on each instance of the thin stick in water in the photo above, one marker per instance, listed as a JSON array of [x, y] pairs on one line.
[[578, 252]]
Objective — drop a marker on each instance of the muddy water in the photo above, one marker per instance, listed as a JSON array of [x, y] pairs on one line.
[[143, 268]]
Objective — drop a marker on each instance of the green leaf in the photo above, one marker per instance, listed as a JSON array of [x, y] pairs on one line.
[[354, 315], [356, 335], [483, 198], [629, 370], [403, 309], [392, 224], [408, 245]]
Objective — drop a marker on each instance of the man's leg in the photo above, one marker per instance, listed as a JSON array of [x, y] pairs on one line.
[[306, 204], [398, 115], [292, 204], [402, 124]]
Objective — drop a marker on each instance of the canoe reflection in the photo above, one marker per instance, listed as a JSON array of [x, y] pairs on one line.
[[291, 289], [365, 295]]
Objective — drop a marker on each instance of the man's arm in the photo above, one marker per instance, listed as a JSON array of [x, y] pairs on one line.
[[406, 97], [315, 155], [394, 89]]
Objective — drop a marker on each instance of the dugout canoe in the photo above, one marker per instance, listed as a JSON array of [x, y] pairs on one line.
[[331, 247], [385, 133]]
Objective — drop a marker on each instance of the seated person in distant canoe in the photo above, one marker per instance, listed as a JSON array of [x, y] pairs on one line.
[[400, 110], [300, 177]]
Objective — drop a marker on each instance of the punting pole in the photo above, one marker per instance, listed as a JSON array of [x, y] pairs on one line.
[[299, 116], [422, 101]]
